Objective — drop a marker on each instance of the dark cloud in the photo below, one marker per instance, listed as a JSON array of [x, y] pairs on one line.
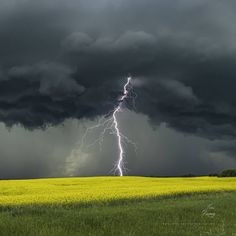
[[54, 79], [46, 94], [68, 59], [181, 50]]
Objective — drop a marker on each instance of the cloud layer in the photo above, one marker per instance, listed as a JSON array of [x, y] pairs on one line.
[[68, 59], [64, 60]]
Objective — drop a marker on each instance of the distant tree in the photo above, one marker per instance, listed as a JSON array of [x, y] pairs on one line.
[[228, 173], [213, 174]]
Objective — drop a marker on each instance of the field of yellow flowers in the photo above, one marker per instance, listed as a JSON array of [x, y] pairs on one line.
[[104, 189]]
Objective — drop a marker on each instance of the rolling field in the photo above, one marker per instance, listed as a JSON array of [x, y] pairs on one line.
[[118, 206]]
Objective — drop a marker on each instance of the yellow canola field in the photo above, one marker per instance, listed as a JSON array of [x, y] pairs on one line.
[[102, 189]]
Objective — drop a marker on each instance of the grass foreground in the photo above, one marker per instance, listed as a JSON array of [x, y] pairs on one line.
[[118, 206]]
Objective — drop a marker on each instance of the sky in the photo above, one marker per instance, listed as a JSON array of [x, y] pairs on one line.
[[63, 65]]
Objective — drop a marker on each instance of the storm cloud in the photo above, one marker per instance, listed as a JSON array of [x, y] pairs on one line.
[[63, 60]]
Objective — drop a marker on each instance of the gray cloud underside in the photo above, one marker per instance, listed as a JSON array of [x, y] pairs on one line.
[[161, 151], [68, 59]]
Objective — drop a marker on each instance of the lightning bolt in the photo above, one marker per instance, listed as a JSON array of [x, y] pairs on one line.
[[110, 122], [118, 133]]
